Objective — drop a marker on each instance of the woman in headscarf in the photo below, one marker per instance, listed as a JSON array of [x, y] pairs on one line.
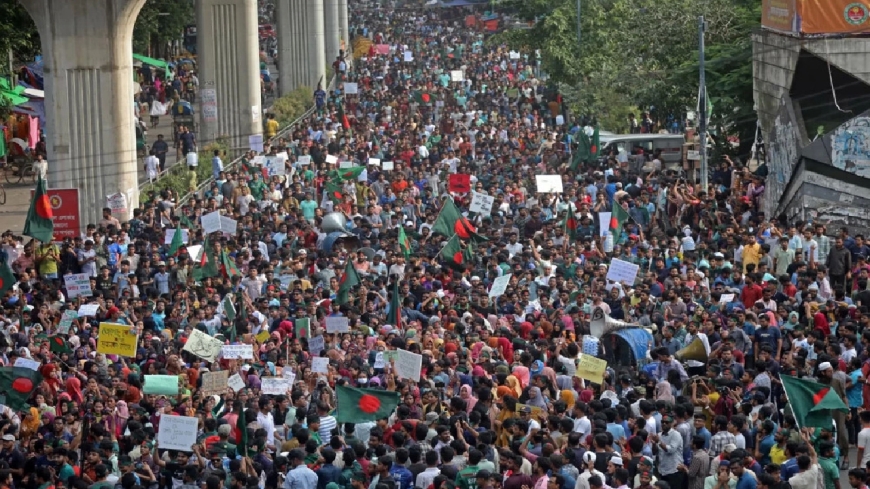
[[522, 374], [507, 410], [569, 397], [536, 398], [467, 395], [515, 385], [121, 415], [73, 387], [30, 423], [664, 392]]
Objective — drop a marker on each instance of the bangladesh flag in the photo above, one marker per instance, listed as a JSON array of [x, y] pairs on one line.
[[342, 117], [7, 279], [17, 384], [334, 192], [454, 255], [177, 242], [364, 405], [596, 143], [422, 97], [228, 266], [206, 265], [345, 174], [584, 150], [57, 344], [618, 217], [349, 280], [404, 243], [229, 308], [451, 222], [395, 307], [812, 402], [39, 224], [570, 225]]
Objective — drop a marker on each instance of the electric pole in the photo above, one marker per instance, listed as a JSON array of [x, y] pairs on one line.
[[579, 31], [702, 102]]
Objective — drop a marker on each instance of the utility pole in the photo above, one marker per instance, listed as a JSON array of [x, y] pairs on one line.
[[702, 102], [579, 31]]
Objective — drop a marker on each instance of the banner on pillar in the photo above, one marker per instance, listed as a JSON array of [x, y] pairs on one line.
[[65, 212], [208, 100]]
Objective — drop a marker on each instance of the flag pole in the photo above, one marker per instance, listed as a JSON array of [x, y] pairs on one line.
[[788, 402]]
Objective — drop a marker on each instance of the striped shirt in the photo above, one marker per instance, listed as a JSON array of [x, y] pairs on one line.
[[327, 424]]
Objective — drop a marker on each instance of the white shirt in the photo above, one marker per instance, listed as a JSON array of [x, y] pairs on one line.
[[583, 426], [152, 166], [268, 423]]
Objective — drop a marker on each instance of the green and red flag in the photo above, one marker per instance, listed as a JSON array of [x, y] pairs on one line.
[[348, 281], [570, 225], [812, 402], [584, 150], [618, 217], [177, 241], [595, 148], [345, 174], [228, 266], [39, 224], [451, 222], [396, 307], [7, 279], [455, 255], [205, 264], [17, 384], [57, 344], [342, 117], [334, 192], [363, 405], [404, 243], [422, 97]]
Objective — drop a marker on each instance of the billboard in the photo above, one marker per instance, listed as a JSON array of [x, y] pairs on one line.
[[816, 17], [65, 209]]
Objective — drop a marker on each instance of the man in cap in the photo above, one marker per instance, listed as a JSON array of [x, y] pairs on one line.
[[588, 472], [827, 377]]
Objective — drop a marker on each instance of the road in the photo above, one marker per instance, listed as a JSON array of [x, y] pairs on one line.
[[13, 214]]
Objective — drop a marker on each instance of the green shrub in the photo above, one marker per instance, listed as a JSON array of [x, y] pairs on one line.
[[292, 105]]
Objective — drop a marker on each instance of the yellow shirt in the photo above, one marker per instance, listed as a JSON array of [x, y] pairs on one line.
[[777, 455], [271, 128], [46, 260], [751, 254]]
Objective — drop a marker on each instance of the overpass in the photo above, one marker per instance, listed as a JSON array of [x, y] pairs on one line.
[[88, 59]]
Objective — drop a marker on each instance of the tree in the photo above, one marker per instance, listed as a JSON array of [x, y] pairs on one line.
[[161, 22], [17, 32]]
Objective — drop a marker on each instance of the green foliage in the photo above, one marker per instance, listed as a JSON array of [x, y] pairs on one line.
[[159, 22], [5, 108], [643, 53], [291, 106], [182, 181], [17, 32]]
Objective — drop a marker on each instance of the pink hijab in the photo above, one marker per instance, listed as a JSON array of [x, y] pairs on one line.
[[74, 388], [522, 374], [466, 393]]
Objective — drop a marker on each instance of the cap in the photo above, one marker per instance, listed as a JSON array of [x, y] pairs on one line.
[[718, 255], [525, 409], [431, 417], [8, 437], [161, 264], [616, 460], [475, 278], [589, 457], [729, 448], [825, 366]]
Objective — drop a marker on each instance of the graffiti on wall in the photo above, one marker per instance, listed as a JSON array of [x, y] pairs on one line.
[[784, 151], [850, 146]]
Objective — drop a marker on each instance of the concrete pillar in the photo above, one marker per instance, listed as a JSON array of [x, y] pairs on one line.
[[344, 30], [90, 128], [317, 43], [292, 47], [229, 71], [332, 26]]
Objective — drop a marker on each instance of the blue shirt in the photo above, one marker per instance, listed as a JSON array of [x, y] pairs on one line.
[[788, 469], [745, 481], [217, 166], [764, 447], [855, 394], [618, 433]]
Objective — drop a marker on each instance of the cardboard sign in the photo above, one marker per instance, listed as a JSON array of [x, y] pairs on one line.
[[177, 433], [275, 386], [237, 351], [499, 285], [409, 365], [622, 271], [214, 383], [161, 385], [203, 345], [481, 203], [77, 285], [459, 183], [337, 324], [549, 184], [117, 339], [591, 368], [236, 383]]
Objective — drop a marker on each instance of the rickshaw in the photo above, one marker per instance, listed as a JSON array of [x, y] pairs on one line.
[[182, 115]]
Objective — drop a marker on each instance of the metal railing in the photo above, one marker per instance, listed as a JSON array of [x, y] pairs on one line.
[[200, 189]]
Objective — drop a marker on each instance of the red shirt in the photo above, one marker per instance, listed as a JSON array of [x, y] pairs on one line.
[[750, 295]]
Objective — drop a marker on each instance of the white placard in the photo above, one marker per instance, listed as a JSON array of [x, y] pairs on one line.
[[457, 76], [375, 161], [177, 433], [379, 360], [621, 271], [514, 55], [726, 298], [331, 159], [289, 374], [236, 383], [275, 165], [351, 88], [345, 164], [363, 176], [320, 365], [275, 385], [255, 142], [258, 160], [693, 155], [304, 160], [26, 363], [237, 351], [337, 324], [88, 310], [255, 113], [388, 165], [499, 285], [604, 223], [228, 225], [408, 56], [211, 222], [117, 202], [481, 203], [560, 120], [409, 365], [77, 285], [203, 345], [193, 250], [170, 234], [316, 344], [549, 184]]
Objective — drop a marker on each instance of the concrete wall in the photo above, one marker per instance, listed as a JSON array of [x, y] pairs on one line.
[[827, 199], [301, 44], [784, 143]]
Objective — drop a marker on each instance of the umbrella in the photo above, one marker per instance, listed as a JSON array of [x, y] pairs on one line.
[[20, 142]]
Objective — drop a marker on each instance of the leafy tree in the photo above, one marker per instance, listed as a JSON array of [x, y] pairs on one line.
[[161, 22], [17, 32]]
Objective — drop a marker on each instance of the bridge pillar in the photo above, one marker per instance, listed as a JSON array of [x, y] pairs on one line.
[[332, 26], [344, 30], [301, 44]]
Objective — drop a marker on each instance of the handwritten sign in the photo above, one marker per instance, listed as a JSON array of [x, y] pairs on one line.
[[237, 351], [331, 159], [77, 285], [320, 365], [316, 345], [549, 184], [66, 321], [236, 383], [351, 88], [117, 339], [621, 271], [26, 363], [177, 433], [409, 365], [215, 382], [499, 285], [337, 324], [481, 203], [726, 298], [388, 165], [275, 385], [211, 222], [591, 368], [161, 385], [117, 203], [255, 143], [304, 160], [457, 75], [203, 345], [289, 374], [88, 310]]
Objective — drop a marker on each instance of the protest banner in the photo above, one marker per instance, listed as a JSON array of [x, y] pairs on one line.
[[177, 433], [237, 351], [203, 345], [77, 285], [591, 368], [409, 365], [117, 339], [215, 382]]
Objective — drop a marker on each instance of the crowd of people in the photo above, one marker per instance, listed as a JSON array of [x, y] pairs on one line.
[[367, 216]]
